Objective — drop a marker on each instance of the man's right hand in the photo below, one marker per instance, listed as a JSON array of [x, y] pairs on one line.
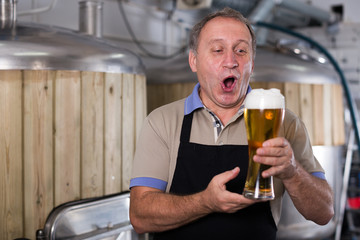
[[152, 210], [219, 199]]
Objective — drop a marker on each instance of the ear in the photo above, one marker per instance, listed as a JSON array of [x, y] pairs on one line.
[[192, 61]]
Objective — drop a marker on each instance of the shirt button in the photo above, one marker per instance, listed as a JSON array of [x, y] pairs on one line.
[[221, 143], [217, 125]]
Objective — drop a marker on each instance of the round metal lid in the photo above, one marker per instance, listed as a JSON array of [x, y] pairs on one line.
[[282, 65], [41, 47], [271, 65]]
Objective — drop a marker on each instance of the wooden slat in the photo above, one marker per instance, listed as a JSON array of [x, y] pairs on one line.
[[112, 135], [38, 148], [178, 91], [92, 89], [140, 102], [11, 187], [161, 94], [67, 136], [155, 96], [318, 114], [338, 125], [189, 87], [255, 85], [128, 133], [328, 132], [292, 97], [306, 108]]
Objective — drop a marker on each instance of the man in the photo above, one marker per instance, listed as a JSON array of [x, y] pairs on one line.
[[192, 156]]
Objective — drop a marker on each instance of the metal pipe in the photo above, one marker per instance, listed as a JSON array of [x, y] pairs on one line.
[[7, 14], [343, 194], [90, 18], [262, 11], [350, 100], [308, 10]]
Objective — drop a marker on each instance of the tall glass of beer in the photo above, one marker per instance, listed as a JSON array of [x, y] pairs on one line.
[[264, 114]]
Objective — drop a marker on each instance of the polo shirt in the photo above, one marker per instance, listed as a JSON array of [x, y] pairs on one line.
[[157, 147]]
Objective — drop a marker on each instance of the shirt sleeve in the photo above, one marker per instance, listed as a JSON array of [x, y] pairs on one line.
[[148, 182], [295, 132], [320, 175], [151, 161]]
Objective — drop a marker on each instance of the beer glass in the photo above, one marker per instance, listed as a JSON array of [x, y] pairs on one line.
[[264, 114]]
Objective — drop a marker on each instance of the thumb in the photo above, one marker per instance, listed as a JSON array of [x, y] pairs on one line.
[[229, 175]]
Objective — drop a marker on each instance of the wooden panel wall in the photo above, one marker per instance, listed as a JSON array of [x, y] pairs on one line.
[[160, 94], [11, 154], [321, 107], [64, 135], [37, 147]]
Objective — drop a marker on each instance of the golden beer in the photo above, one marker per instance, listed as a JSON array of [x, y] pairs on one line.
[[263, 121]]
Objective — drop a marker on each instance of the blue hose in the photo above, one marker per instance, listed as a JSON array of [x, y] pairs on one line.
[[333, 62]]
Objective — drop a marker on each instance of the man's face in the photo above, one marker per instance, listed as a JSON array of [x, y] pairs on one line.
[[223, 63]]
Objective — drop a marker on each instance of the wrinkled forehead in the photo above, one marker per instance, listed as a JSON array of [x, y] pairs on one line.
[[222, 27]]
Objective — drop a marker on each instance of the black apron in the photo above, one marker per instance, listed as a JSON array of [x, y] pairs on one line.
[[196, 165]]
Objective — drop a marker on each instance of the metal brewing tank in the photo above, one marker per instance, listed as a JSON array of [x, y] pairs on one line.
[[320, 106], [71, 106], [312, 90], [35, 47], [272, 64]]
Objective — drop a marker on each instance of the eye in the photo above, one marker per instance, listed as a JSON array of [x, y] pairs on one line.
[[240, 51], [216, 48]]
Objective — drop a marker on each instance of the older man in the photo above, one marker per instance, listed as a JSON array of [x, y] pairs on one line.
[[192, 156]]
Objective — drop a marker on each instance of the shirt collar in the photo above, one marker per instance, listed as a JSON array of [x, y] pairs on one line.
[[194, 102]]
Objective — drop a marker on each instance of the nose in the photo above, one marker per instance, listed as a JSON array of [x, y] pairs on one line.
[[230, 60]]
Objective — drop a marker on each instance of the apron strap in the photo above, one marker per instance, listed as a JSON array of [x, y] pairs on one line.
[[186, 128]]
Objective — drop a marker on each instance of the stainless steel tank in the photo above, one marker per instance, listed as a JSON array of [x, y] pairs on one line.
[[71, 106], [293, 225], [320, 105], [41, 47]]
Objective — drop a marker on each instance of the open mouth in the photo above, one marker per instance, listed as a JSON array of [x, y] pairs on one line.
[[228, 83]]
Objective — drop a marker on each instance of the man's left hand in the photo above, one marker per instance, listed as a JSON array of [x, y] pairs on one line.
[[277, 152]]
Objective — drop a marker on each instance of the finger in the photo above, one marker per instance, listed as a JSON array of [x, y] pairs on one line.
[[271, 152], [270, 172], [276, 142], [272, 161]]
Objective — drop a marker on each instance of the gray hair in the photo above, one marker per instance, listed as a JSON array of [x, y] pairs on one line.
[[226, 13]]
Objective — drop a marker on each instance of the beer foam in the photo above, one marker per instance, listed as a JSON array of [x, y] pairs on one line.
[[264, 98]]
